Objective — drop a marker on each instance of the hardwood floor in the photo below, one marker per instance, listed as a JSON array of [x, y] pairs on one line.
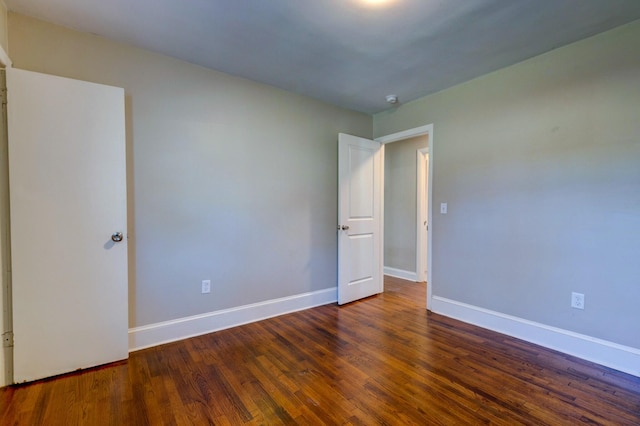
[[383, 360]]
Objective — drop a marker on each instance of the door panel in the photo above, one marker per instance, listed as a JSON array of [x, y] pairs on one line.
[[361, 184], [68, 196], [361, 264], [359, 218]]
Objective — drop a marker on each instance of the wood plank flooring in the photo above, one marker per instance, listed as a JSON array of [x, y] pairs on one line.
[[383, 360]]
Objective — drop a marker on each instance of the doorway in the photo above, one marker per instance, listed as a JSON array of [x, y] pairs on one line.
[[410, 242]]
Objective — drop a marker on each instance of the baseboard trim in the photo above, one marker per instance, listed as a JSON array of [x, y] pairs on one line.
[[399, 273], [609, 354], [183, 328]]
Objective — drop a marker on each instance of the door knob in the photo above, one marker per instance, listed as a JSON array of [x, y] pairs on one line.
[[116, 237], [345, 227]]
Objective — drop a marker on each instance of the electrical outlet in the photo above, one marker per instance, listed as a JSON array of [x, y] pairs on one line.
[[206, 286], [577, 300]]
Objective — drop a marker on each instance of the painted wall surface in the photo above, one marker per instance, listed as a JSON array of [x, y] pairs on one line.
[[229, 180], [400, 171], [4, 32], [540, 166]]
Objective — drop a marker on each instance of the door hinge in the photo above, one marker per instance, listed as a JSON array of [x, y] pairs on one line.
[[7, 339]]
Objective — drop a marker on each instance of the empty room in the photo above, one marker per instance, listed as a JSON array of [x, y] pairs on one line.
[[326, 212]]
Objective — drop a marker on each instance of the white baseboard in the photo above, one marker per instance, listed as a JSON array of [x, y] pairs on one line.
[[609, 354], [182, 328], [399, 273]]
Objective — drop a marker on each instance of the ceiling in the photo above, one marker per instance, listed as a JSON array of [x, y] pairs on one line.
[[344, 52]]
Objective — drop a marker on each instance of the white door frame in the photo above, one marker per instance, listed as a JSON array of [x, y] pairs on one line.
[[6, 353], [422, 230], [399, 136]]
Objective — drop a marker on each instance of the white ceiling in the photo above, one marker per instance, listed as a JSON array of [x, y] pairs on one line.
[[342, 51]]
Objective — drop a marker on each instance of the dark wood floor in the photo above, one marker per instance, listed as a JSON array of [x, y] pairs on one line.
[[383, 360]]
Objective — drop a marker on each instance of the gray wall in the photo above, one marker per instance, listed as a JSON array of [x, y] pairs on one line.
[[400, 171], [540, 166], [229, 180], [4, 30]]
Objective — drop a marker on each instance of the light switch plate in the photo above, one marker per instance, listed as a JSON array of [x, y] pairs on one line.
[[443, 208]]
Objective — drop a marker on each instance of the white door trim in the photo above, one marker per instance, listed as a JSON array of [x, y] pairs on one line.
[[6, 356], [422, 157], [406, 134], [6, 318]]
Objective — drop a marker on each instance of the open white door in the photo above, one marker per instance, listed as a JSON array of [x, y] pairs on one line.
[[359, 218], [422, 228], [68, 203]]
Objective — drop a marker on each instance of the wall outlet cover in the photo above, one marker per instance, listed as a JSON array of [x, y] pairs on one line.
[[577, 300]]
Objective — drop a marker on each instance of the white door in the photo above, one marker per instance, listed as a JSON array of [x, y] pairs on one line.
[[422, 197], [67, 196], [359, 218], [426, 215]]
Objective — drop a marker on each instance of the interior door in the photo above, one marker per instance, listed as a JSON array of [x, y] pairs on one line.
[[359, 218], [422, 197], [68, 213], [426, 217]]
